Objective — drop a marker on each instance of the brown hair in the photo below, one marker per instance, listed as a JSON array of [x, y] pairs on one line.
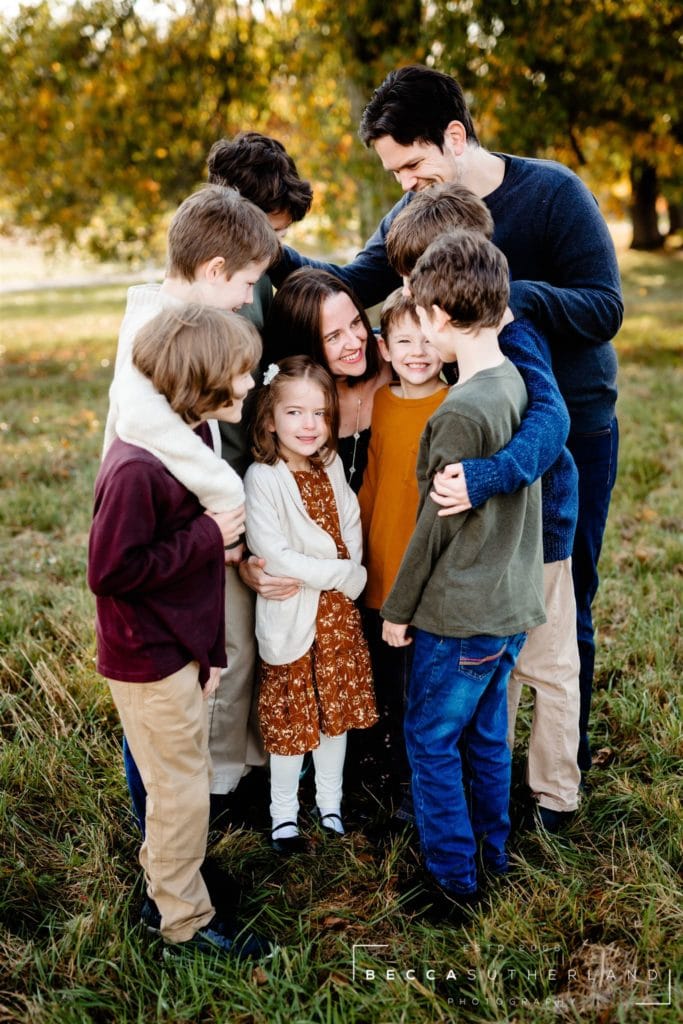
[[396, 306], [218, 221], [192, 354], [467, 276], [433, 211], [263, 171], [294, 320], [266, 447]]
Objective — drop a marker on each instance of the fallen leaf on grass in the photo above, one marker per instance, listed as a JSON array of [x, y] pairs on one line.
[[259, 977], [335, 923], [338, 979], [603, 756]]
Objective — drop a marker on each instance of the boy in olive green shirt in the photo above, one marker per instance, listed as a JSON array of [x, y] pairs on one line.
[[470, 584]]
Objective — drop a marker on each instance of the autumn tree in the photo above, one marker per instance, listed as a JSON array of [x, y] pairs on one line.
[[106, 119], [596, 84], [330, 58]]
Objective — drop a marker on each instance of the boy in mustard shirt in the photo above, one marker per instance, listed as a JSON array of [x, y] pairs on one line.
[[388, 501]]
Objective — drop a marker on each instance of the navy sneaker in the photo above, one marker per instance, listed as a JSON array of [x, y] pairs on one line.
[[222, 940], [150, 918], [223, 889], [554, 821]]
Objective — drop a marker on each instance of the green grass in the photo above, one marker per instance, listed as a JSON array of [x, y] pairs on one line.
[[570, 936]]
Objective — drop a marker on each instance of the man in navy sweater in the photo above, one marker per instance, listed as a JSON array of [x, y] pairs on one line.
[[565, 279]]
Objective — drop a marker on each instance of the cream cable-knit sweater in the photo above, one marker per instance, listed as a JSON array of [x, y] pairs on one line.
[[140, 415]]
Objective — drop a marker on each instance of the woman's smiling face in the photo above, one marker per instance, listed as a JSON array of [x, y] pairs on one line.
[[344, 336]]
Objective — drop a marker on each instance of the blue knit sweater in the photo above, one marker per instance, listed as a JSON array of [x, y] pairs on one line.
[[565, 277], [537, 449]]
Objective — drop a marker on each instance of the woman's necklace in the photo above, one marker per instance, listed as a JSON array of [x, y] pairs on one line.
[[355, 435]]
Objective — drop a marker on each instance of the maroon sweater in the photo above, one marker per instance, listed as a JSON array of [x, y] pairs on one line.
[[156, 564]]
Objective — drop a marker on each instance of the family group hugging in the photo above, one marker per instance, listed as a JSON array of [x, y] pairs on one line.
[[322, 547]]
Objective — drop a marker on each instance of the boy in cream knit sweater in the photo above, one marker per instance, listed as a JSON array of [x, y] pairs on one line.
[[219, 245]]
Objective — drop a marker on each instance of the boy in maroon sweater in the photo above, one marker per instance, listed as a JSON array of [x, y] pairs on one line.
[[157, 566]]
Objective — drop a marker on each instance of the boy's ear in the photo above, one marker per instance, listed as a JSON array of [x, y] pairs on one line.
[[383, 349], [439, 317], [213, 268]]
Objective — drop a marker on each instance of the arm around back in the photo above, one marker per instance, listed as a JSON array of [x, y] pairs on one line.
[[144, 418], [537, 443], [581, 299]]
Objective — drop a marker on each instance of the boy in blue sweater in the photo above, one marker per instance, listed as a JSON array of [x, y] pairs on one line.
[[548, 662]]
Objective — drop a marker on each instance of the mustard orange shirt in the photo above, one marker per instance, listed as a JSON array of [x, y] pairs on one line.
[[389, 496]]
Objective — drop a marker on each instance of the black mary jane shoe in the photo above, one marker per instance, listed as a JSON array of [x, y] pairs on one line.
[[327, 826], [288, 845]]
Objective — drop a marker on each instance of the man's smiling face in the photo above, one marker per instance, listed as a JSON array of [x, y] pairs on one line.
[[419, 165]]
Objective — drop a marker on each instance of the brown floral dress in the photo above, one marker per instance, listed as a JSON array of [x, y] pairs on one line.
[[329, 688]]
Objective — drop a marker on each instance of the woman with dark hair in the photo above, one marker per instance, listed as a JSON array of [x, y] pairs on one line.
[[316, 314]]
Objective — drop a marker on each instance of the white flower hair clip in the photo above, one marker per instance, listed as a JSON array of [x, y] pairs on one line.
[[271, 373]]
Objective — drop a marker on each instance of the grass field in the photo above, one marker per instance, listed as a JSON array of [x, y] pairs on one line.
[[588, 927]]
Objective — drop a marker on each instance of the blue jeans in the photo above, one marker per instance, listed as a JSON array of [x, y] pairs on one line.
[[595, 455], [456, 736], [136, 786]]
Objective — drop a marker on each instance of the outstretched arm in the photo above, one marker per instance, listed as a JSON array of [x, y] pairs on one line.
[[369, 274]]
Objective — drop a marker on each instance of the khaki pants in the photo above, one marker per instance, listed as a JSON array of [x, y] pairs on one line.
[[549, 664], [234, 738], [165, 724]]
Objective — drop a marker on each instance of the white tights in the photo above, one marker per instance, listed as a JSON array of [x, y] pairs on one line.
[[285, 769]]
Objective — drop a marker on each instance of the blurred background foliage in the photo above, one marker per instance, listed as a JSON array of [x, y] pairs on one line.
[[109, 107]]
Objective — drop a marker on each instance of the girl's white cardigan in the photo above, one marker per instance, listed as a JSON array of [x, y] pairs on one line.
[[280, 530]]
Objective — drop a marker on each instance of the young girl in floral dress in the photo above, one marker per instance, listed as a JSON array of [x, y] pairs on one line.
[[304, 520]]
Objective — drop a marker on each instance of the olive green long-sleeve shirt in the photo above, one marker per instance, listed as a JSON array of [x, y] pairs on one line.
[[481, 571]]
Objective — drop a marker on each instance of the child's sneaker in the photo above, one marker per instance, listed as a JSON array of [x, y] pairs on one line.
[[427, 900], [554, 821], [222, 940], [150, 918]]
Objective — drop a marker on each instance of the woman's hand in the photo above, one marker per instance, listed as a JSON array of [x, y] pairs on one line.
[[274, 588]]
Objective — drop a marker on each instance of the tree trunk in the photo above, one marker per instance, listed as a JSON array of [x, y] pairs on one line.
[[675, 218], [644, 191]]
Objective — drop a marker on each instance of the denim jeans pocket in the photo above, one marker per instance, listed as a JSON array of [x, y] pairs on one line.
[[479, 655]]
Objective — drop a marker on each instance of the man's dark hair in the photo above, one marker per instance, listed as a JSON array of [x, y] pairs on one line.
[[262, 170], [415, 104]]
